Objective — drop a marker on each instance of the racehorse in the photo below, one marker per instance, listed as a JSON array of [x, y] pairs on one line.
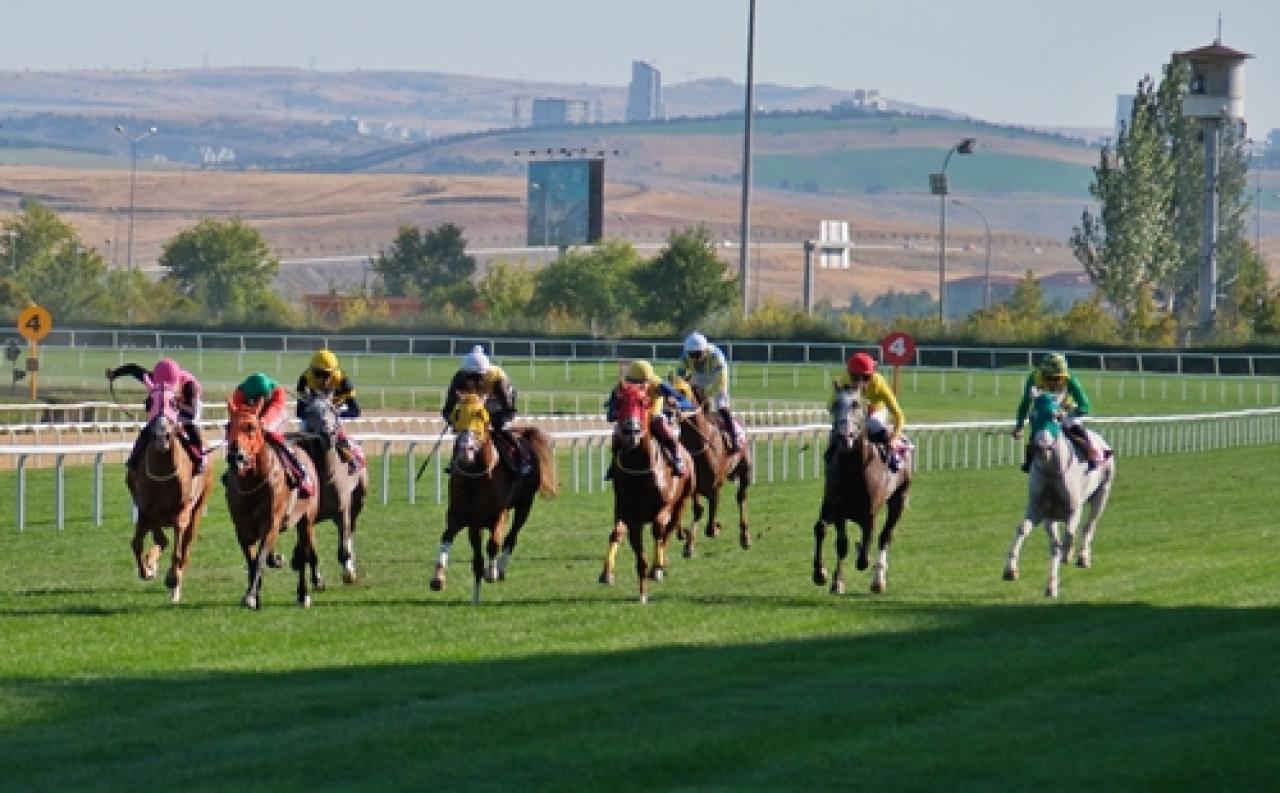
[[166, 492], [262, 505], [1058, 485], [342, 493], [858, 485], [482, 489], [700, 433], [644, 489]]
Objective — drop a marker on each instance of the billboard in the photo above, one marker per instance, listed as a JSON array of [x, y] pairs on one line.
[[566, 202]]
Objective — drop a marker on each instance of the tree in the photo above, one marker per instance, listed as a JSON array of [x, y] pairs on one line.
[[225, 267], [44, 261], [591, 285], [685, 283], [506, 290], [419, 263], [1026, 303]]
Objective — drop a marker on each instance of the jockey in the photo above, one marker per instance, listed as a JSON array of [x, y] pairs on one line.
[[661, 397], [1054, 377], [271, 399], [479, 375], [186, 396], [324, 374], [860, 374], [704, 365]]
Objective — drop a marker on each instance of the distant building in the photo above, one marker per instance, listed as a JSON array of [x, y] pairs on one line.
[[1059, 291], [644, 99], [833, 245], [865, 100], [558, 112]]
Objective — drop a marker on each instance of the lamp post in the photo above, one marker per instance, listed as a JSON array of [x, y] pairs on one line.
[[986, 272], [938, 186], [133, 176]]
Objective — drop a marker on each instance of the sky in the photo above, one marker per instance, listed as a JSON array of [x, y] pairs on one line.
[[1034, 62]]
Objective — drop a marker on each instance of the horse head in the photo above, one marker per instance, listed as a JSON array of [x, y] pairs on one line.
[[319, 416], [470, 420], [848, 418], [244, 436], [1046, 427], [632, 411], [162, 415]]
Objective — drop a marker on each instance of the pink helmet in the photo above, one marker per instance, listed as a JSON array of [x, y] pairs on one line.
[[167, 372]]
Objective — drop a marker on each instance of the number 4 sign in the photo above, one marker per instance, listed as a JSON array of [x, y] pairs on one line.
[[898, 348], [34, 323]]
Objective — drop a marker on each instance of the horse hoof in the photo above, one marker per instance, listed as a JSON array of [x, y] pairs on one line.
[[502, 575], [644, 598], [682, 535], [820, 576], [175, 594], [171, 579], [656, 574], [148, 574], [837, 586], [711, 532], [349, 576], [687, 552], [1011, 574], [250, 602], [318, 585], [877, 587], [437, 584], [606, 578], [275, 560], [744, 539], [863, 564], [1083, 562], [1051, 591], [305, 601]]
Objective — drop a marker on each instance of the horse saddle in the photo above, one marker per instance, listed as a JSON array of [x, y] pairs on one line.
[[513, 453]]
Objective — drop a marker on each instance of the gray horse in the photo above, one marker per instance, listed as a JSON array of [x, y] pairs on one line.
[[1060, 483], [342, 491]]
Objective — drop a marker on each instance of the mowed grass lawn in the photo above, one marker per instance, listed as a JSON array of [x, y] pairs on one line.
[[1154, 670]]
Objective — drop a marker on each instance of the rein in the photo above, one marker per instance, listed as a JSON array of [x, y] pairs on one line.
[[632, 471], [151, 474]]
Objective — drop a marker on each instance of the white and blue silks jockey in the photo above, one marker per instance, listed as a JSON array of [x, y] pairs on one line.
[[704, 365]]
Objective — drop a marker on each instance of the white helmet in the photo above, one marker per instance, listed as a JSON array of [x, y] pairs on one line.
[[696, 342], [476, 361]]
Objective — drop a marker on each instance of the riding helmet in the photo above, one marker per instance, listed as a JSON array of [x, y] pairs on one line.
[[166, 372], [695, 342], [1054, 365], [324, 360], [641, 372], [257, 386], [476, 361], [861, 364]]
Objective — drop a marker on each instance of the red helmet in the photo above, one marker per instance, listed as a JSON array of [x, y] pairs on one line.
[[861, 363]]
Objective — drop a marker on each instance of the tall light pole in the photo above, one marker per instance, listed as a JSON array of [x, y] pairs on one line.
[[133, 176], [744, 253], [938, 186], [986, 278]]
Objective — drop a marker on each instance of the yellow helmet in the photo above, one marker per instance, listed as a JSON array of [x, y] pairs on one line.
[[324, 360], [641, 372]]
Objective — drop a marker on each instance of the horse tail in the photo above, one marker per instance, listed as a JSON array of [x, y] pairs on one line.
[[540, 443]]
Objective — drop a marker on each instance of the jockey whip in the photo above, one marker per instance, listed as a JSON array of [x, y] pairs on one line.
[[422, 468], [111, 387]]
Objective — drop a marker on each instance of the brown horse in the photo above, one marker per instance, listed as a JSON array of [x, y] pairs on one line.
[[342, 492], [644, 489], [165, 492], [858, 485], [701, 434], [483, 489], [262, 504]]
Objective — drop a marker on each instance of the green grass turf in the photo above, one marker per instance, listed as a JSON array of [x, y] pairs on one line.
[[1151, 672], [417, 383]]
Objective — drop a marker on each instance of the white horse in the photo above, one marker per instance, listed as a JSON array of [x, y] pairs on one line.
[[1060, 483]]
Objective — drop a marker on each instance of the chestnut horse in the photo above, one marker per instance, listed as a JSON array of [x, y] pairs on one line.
[[644, 489], [342, 493], [262, 504], [858, 485], [165, 492], [701, 434], [483, 489]]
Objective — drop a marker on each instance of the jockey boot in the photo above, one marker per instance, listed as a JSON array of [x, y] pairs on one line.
[[195, 447], [730, 432], [346, 454], [298, 475], [672, 453], [1026, 459]]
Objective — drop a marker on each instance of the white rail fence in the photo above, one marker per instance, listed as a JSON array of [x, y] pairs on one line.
[[781, 453]]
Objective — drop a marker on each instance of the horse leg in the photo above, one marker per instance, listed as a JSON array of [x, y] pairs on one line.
[[1055, 558], [1015, 550], [301, 557], [183, 534], [254, 547], [518, 518], [697, 512], [744, 534], [712, 528], [477, 561], [1097, 503], [842, 550], [146, 561], [346, 553], [819, 570], [864, 541], [452, 527], [493, 546], [635, 535], [660, 532], [611, 556], [880, 573]]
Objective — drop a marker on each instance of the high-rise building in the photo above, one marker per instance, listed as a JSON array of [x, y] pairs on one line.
[[557, 112], [644, 100]]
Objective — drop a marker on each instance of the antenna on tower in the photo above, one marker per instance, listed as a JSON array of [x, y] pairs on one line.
[[1218, 40]]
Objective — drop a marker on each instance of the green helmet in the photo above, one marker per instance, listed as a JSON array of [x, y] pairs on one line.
[[1054, 365], [257, 386]]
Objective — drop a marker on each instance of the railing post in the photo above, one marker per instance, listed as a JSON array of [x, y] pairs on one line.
[[22, 491], [411, 482], [386, 471], [59, 489], [97, 488]]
